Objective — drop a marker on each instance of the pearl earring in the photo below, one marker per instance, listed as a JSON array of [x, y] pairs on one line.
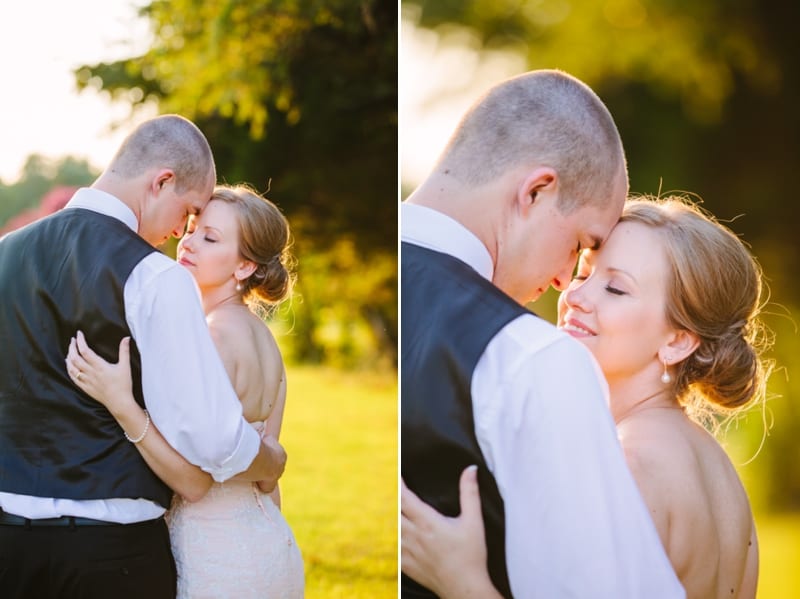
[[665, 377], [238, 285]]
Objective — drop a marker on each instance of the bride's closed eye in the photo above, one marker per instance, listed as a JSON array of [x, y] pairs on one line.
[[609, 287], [615, 291]]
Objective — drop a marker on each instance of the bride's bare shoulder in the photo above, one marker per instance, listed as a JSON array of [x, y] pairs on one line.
[[660, 456]]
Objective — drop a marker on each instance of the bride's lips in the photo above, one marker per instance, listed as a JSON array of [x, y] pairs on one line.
[[185, 262], [575, 328]]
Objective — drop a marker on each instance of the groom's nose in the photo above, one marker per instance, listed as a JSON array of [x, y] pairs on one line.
[[563, 277], [178, 231]]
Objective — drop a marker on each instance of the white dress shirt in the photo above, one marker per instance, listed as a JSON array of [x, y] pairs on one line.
[[575, 523], [186, 388]]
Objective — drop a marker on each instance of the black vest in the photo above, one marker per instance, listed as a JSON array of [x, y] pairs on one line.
[[449, 315], [59, 275]]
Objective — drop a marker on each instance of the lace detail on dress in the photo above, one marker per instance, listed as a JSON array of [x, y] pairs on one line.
[[234, 543]]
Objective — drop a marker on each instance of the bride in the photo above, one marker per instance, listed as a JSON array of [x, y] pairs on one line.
[[669, 308], [231, 541]]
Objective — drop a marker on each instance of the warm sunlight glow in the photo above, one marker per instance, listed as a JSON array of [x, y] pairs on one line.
[[41, 42], [440, 77]]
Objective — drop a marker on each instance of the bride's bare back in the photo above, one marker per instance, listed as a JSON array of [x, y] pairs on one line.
[[235, 542], [697, 502], [252, 359]]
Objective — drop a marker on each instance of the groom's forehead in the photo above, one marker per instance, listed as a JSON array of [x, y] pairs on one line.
[[195, 203]]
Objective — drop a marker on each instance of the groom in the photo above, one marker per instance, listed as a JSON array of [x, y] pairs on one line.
[[82, 514], [534, 173]]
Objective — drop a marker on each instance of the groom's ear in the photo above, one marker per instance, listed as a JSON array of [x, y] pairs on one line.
[[540, 180], [161, 180]]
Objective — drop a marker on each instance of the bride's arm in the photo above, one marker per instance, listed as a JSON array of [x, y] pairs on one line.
[[273, 428], [111, 385], [446, 555]]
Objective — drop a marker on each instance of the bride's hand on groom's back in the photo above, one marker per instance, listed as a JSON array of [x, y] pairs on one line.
[[110, 384], [446, 555]]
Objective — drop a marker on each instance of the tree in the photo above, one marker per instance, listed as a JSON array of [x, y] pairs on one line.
[[303, 94], [53, 200], [692, 52], [40, 176], [295, 96]]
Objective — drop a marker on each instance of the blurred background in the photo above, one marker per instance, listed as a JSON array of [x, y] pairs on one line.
[[705, 96], [298, 99]]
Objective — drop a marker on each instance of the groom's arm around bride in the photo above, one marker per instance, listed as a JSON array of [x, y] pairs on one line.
[[65, 466]]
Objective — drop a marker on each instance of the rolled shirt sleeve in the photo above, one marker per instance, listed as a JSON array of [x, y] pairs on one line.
[[186, 387], [576, 525]]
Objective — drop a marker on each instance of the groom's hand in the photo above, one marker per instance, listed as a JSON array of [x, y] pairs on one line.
[[277, 457]]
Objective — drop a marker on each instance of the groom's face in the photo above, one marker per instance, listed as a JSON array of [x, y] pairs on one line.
[[540, 249], [169, 208]]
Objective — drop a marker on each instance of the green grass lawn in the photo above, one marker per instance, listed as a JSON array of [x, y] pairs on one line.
[[339, 491], [779, 550]]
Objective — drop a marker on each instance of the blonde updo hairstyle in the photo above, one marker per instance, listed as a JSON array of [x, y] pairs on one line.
[[714, 290], [264, 239]]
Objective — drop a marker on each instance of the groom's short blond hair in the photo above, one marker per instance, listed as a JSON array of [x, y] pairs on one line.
[[167, 141], [543, 117]]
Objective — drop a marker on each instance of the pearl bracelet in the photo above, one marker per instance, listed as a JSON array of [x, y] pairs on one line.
[[144, 432]]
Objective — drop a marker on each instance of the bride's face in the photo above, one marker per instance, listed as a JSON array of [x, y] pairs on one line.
[[210, 246], [615, 305]]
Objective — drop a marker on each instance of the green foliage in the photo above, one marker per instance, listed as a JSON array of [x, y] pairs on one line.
[[340, 487], [779, 577], [234, 58], [690, 51], [771, 434], [303, 94], [298, 97], [344, 310], [39, 175]]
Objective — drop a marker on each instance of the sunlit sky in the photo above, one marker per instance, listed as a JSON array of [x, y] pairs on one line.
[[439, 80], [41, 111], [41, 42]]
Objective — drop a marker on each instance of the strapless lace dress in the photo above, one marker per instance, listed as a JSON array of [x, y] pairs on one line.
[[234, 543]]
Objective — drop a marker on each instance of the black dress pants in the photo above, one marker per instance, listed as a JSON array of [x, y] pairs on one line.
[[87, 562]]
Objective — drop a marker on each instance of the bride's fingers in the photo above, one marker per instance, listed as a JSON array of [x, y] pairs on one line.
[[74, 360], [414, 508], [84, 350], [407, 527], [408, 539], [412, 564], [78, 377], [469, 494], [124, 351], [408, 563], [410, 503]]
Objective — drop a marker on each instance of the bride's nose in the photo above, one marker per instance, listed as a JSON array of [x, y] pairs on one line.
[[575, 296], [186, 242]]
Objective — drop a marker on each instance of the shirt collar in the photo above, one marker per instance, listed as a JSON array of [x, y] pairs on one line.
[[436, 231], [104, 203]]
